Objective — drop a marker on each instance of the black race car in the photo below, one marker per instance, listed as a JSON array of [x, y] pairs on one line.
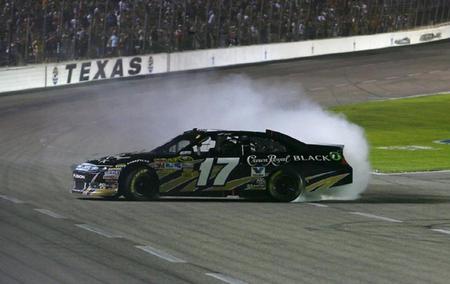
[[217, 163]]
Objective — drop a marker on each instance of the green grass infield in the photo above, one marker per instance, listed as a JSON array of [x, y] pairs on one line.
[[402, 132]]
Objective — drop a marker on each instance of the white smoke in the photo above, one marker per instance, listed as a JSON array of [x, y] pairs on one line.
[[239, 103]]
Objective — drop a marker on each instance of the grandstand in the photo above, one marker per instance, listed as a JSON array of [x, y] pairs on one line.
[[60, 30]]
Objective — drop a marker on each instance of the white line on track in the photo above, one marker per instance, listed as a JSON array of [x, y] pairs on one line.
[[161, 254], [98, 230], [441, 231], [376, 217], [49, 213], [434, 71], [414, 74], [317, 204], [12, 199], [225, 278], [341, 85], [368, 81]]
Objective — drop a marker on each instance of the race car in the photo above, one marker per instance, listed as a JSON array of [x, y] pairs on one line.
[[217, 163]]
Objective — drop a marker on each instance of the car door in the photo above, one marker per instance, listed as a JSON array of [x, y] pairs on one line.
[[261, 155], [197, 162], [218, 163], [223, 170], [170, 166]]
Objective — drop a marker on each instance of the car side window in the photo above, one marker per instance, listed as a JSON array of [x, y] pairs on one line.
[[257, 144], [178, 146], [229, 145]]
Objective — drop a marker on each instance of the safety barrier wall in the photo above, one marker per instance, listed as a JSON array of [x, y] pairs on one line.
[[22, 78], [68, 73]]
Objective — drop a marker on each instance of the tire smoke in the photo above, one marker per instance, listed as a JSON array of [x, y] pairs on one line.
[[240, 103]]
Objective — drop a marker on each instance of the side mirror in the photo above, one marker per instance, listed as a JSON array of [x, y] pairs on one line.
[[185, 153]]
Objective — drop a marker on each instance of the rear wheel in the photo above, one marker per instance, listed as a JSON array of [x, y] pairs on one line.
[[285, 185], [141, 184]]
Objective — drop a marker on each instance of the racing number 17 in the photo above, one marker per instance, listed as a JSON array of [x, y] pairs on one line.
[[221, 178]]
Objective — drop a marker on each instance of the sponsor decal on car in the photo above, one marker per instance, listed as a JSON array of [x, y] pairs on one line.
[[258, 171], [273, 160], [112, 173], [332, 156], [168, 164], [173, 166], [77, 176], [259, 184], [335, 156], [158, 163], [86, 167], [180, 159], [138, 161]]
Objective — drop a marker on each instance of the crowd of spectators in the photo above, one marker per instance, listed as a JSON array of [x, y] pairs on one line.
[[33, 31]]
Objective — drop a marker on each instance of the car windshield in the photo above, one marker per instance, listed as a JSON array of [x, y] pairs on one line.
[[173, 146]]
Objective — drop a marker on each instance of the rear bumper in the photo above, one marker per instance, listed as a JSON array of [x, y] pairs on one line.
[[329, 179]]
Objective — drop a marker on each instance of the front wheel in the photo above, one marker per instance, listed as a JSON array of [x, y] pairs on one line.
[[141, 184], [285, 185]]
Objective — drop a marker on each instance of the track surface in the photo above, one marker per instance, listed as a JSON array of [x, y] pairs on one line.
[[399, 231]]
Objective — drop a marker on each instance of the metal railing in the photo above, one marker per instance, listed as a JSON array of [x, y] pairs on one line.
[[57, 30]]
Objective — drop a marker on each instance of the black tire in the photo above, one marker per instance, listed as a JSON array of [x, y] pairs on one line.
[[285, 185], [141, 184]]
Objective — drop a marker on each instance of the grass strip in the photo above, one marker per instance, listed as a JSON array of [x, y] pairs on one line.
[[401, 132]]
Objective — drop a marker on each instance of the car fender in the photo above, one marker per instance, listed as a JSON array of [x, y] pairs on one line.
[[133, 165]]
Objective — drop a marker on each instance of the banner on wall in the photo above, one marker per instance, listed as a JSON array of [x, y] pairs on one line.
[[108, 68], [430, 36]]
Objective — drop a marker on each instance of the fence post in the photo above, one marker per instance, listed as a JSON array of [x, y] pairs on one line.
[[44, 31]]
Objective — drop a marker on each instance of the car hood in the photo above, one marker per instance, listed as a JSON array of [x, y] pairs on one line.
[[122, 158]]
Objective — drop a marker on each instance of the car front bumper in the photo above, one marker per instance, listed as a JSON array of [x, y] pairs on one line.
[[96, 184]]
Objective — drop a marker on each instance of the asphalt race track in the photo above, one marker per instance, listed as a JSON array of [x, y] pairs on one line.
[[398, 232]]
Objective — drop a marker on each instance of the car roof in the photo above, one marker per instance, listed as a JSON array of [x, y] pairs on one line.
[[219, 131], [268, 133]]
